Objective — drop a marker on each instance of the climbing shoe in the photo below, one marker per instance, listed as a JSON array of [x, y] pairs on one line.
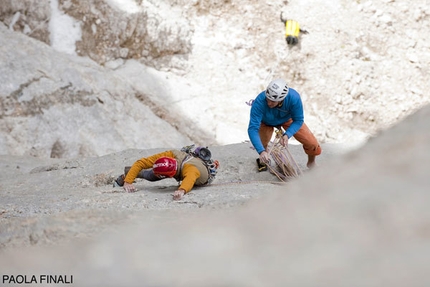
[[261, 165], [119, 181]]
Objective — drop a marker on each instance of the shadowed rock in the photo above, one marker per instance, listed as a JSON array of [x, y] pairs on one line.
[[361, 220]]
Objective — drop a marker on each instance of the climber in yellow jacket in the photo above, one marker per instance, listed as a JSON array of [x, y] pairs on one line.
[[292, 31], [188, 167]]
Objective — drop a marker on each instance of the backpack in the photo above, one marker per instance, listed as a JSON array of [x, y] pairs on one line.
[[204, 154]]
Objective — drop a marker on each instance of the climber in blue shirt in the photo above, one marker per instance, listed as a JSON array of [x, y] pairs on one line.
[[280, 106]]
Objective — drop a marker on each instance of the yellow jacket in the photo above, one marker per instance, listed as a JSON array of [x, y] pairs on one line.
[[292, 28], [191, 171]]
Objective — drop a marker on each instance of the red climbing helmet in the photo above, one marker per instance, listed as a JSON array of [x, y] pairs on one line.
[[165, 166]]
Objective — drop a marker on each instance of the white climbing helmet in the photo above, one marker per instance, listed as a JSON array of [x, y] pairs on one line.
[[277, 90]]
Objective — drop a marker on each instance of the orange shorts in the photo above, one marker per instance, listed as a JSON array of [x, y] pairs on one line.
[[303, 136]]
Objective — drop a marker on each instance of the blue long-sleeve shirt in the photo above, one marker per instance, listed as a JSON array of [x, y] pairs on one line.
[[291, 108]]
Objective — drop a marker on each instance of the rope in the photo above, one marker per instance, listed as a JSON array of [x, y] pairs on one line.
[[283, 159]]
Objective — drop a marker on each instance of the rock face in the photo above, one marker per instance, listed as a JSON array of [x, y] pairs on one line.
[[28, 17], [361, 219], [58, 105], [71, 119], [109, 30], [361, 68]]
